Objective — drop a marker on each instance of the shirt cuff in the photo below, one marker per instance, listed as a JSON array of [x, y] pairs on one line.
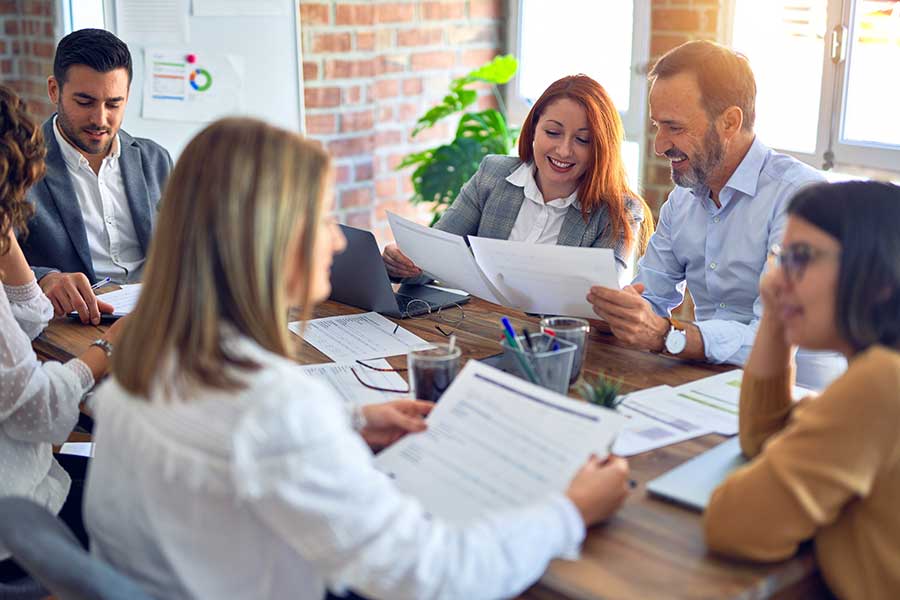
[[573, 527], [723, 339], [20, 294], [85, 377]]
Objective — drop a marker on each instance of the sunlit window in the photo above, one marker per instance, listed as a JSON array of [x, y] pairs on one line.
[[83, 14]]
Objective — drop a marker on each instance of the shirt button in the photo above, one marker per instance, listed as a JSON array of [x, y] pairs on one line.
[[716, 219], [109, 220], [721, 305], [712, 266]]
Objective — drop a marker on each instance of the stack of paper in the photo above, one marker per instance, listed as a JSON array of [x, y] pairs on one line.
[[124, 299], [496, 441], [536, 278], [358, 337], [346, 384]]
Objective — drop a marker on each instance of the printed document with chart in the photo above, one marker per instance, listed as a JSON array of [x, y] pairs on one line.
[[537, 278], [496, 441]]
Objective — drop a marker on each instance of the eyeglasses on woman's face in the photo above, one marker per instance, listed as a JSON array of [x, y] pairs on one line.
[[794, 258]]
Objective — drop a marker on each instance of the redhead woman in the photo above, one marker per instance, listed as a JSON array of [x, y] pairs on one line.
[[827, 468], [568, 185], [221, 469]]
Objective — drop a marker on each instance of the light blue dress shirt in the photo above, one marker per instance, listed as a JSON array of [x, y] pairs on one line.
[[720, 254]]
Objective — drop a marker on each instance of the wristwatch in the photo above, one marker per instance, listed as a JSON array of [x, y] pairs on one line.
[[676, 338], [103, 345]]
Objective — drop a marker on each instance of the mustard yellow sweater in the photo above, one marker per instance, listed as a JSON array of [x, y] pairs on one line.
[[826, 468]]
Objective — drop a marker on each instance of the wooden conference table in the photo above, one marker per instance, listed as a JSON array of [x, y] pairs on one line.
[[650, 549]]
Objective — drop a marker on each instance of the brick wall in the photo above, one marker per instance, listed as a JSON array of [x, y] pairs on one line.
[[27, 42], [673, 22], [370, 69]]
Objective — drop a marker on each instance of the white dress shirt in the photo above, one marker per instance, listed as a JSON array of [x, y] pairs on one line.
[[538, 222], [268, 492], [115, 249], [38, 401]]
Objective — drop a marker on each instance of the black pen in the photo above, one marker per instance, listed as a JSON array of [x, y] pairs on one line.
[[528, 340]]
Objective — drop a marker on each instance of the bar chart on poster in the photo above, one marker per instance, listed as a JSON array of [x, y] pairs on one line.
[[197, 61]]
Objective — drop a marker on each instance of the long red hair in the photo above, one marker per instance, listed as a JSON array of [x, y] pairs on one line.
[[605, 181]]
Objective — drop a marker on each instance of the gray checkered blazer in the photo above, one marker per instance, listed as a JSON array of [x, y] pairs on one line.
[[487, 206]]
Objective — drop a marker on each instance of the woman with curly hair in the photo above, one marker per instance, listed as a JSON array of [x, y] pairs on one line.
[[38, 402]]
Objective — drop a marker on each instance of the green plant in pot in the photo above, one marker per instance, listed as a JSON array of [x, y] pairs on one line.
[[441, 172], [600, 390]]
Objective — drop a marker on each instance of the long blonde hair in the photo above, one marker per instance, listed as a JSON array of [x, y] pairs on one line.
[[242, 195]]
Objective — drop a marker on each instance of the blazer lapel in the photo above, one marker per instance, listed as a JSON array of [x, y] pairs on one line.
[[136, 189], [63, 193], [573, 228]]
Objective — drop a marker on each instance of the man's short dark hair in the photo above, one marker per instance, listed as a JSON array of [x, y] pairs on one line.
[[863, 217], [723, 75], [94, 48]]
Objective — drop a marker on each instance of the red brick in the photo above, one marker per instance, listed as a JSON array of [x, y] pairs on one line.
[[385, 88], [487, 101], [2, 46], [385, 114], [468, 34], [443, 10], [353, 95], [391, 63], [406, 186], [6, 67], [332, 42], [365, 40], [357, 121], [349, 69], [394, 13], [363, 171], [386, 187], [660, 43], [314, 14], [360, 219], [711, 20], [674, 19], [356, 197], [321, 124], [354, 14], [342, 174], [322, 97], [476, 58], [388, 138], [351, 146], [11, 27], [310, 70], [420, 37], [488, 9], [44, 50], [412, 87], [408, 113], [402, 208], [8, 7], [424, 61]]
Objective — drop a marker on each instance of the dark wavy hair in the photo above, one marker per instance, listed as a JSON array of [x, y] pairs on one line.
[[863, 216], [21, 164], [95, 48]]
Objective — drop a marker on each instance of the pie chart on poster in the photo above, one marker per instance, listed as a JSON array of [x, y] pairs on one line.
[[200, 80]]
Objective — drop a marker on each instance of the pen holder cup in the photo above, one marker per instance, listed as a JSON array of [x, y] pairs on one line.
[[545, 367]]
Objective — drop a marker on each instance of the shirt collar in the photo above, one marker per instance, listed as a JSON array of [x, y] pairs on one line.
[[523, 177], [73, 158], [746, 177]]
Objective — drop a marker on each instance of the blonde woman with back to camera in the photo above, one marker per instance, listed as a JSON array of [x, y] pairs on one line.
[[222, 470]]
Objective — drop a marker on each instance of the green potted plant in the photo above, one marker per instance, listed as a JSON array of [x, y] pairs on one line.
[[602, 390], [441, 172]]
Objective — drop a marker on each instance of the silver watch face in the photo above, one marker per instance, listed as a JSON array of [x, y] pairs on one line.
[[676, 341]]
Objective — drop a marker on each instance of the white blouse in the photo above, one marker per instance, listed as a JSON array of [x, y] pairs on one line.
[[538, 222], [38, 401], [268, 492]]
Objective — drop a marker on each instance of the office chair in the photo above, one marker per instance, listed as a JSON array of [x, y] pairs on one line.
[[45, 548]]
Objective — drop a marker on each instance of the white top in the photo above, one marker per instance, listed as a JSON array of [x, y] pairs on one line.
[[115, 249], [268, 492], [38, 401], [538, 222]]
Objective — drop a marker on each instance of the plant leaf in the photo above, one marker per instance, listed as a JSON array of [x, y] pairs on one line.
[[414, 158], [451, 167], [499, 71]]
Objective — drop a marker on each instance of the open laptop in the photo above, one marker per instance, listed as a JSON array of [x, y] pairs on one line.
[[359, 278], [693, 482]]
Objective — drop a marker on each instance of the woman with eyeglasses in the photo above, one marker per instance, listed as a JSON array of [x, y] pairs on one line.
[[223, 470], [567, 186], [825, 468]]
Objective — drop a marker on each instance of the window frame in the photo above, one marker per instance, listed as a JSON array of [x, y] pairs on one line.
[[832, 154], [64, 13], [634, 120]]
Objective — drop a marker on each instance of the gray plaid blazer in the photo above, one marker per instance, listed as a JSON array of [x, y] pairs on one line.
[[487, 206], [57, 240]]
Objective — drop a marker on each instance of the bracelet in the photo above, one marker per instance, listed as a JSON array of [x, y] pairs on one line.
[[104, 345]]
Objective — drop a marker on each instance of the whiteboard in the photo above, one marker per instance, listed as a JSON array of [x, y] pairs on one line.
[[273, 83]]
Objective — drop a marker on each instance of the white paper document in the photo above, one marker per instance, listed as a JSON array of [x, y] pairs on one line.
[[346, 384], [545, 279], [651, 426], [444, 256], [139, 22], [496, 441], [347, 338], [124, 299], [78, 449]]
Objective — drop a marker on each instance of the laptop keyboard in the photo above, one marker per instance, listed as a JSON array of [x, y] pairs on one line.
[[404, 300]]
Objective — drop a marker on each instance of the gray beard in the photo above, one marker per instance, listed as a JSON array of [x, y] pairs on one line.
[[702, 165]]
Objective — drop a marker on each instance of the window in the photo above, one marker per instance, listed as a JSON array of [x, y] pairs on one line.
[[605, 39], [827, 81], [83, 14]]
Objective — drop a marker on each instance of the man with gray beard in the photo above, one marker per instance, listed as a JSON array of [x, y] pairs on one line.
[[718, 224]]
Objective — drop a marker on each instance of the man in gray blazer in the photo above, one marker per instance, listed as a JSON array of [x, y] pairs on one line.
[[96, 206]]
